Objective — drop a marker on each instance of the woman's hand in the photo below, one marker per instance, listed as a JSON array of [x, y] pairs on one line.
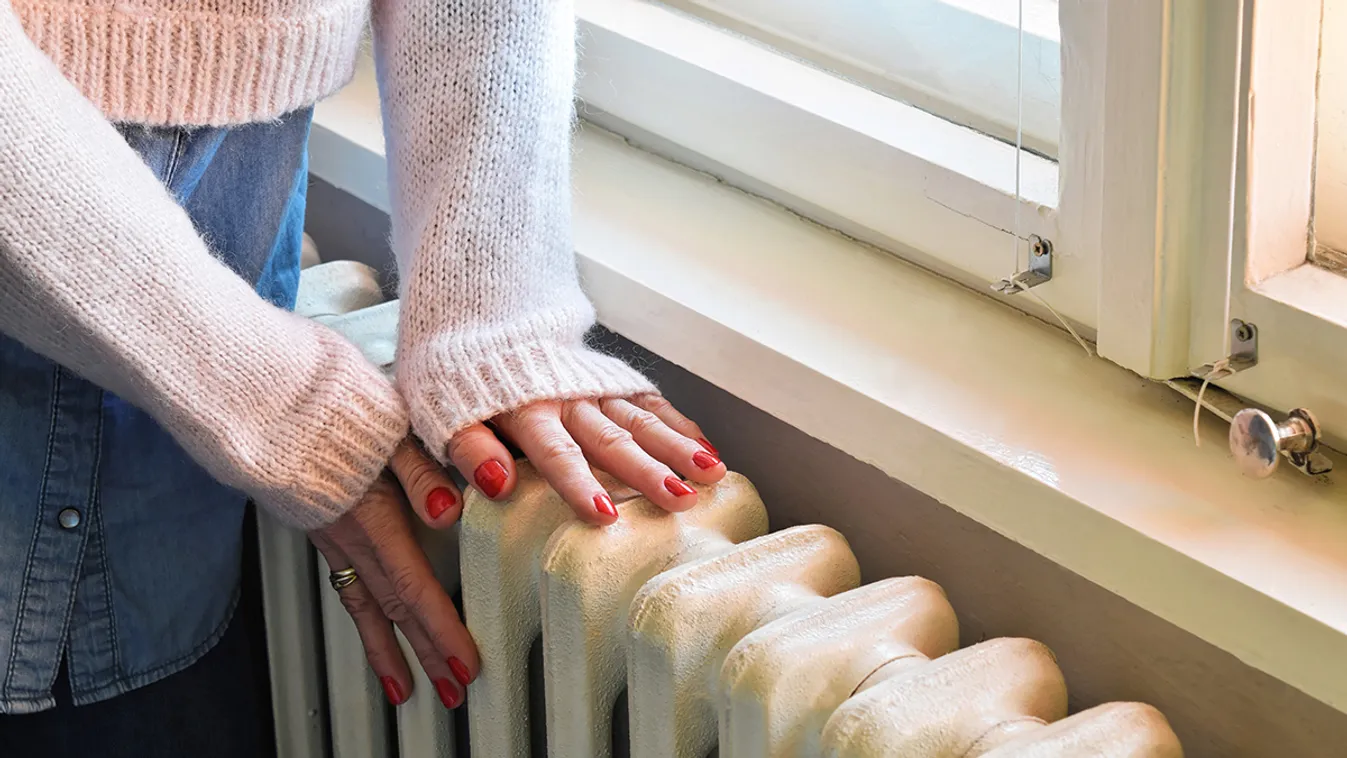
[[642, 442], [395, 583]]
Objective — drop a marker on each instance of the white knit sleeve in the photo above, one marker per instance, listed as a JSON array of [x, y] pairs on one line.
[[102, 272], [477, 101]]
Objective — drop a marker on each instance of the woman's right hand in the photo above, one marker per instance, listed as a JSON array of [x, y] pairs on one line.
[[395, 583], [642, 442]]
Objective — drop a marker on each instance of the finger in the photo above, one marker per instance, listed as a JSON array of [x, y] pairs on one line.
[[613, 449], [447, 671], [428, 487], [407, 590], [483, 460], [376, 633], [676, 421], [661, 442], [538, 432]]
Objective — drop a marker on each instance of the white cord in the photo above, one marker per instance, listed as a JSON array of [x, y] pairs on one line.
[[1019, 153], [1019, 132], [1079, 341], [1221, 367]]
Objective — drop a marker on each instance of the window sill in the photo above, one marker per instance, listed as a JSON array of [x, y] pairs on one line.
[[1312, 290], [990, 412]]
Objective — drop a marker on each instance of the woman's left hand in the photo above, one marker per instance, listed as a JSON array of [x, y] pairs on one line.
[[642, 442]]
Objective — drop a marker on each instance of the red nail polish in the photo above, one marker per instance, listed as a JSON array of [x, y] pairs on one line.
[[709, 447], [604, 504], [705, 460], [448, 693], [461, 672], [678, 487], [490, 478], [438, 501], [392, 691]]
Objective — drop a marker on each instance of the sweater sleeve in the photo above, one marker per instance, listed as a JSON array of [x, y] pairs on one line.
[[102, 272], [477, 103]]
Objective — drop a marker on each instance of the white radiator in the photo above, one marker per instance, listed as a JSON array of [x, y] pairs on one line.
[[719, 634]]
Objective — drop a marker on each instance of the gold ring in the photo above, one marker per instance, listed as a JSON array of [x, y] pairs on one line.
[[340, 580]]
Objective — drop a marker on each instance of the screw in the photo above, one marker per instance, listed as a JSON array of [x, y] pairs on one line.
[[1244, 332], [1039, 246]]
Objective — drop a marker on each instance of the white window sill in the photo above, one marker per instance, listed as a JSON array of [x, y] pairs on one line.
[[991, 412]]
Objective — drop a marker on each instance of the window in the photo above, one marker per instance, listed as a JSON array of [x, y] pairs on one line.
[[953, 58], [894, 122], [819, 120]]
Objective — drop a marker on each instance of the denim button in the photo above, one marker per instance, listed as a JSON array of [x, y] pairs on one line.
[[69, 518]]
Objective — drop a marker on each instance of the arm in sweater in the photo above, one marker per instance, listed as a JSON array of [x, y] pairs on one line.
[[477, 100], [101, 271]]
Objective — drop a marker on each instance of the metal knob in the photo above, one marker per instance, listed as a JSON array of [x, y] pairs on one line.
[[1258, 442]]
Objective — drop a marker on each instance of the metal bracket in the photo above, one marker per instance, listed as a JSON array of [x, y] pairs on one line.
[[1243, 352], [1040, 268]]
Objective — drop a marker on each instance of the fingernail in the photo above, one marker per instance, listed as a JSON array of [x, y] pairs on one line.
[[438, 501], [678, 487], [604, 504], [709, 447], [448, 693], [705, 460], [392, 691], [490, 478], [461, 672]]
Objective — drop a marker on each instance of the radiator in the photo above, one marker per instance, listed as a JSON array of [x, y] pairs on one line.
[[710, 631]]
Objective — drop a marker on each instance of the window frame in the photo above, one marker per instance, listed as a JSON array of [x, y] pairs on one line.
[[1153, 216], [1299, 308], [1230, 177], [883, 172]]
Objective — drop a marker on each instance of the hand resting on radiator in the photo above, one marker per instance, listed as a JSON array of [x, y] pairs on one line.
[[643, 442], [396, 584]]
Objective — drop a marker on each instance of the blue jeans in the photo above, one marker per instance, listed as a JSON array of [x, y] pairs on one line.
[[119, 556]]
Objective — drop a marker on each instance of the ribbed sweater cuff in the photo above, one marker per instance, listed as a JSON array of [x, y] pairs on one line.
[[453, 382], [166, 67], [338, 442]]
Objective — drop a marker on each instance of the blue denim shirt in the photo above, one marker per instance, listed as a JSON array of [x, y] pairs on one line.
[[117, 552]]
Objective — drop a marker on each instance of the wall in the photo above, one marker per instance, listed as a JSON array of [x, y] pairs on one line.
[[1108, 648]]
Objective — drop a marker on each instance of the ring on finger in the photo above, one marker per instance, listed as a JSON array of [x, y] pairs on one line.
[[340, 580]]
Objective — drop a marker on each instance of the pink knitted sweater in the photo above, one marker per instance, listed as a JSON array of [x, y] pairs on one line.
[[101, 271]]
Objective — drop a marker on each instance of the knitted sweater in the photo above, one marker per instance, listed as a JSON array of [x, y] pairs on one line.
[[102, 272]]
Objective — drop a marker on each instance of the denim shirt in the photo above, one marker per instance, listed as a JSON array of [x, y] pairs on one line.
[[117, 552]]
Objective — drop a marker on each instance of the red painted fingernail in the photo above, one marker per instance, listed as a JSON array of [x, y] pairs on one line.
[[604, 504], [490, 478], [678, 487], [438, 501], [461, 672], [709, 447], [392, 691], [705, 460], [448, 693]]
